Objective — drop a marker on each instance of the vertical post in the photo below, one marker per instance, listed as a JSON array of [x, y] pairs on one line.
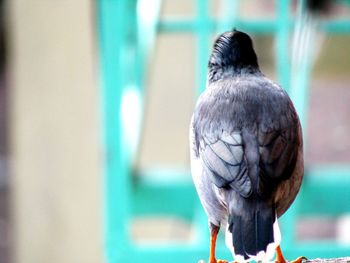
[[112, 25], [282, 37], [203, 47], [228, 15], [283, 72], [304, 35]]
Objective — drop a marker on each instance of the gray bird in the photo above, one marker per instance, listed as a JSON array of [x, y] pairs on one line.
[[246, 151]]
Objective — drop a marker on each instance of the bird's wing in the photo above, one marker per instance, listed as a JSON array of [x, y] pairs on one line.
[[279, 144], [224, 161], [224, 148]]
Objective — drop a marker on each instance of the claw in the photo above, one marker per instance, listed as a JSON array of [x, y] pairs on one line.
[[280, 258], [299, 260]]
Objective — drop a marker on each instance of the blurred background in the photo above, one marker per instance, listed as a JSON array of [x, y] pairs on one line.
[[95, 103]]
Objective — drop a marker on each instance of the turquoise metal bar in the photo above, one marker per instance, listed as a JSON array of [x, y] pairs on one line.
[[324, 186], [339, 26], [228, 14], [203, 33], [301, 65], [177, 25], [326, 190], [288, 221], [256, 26], [202, 236], [142, 19], [282, 40], [190, 26], [153, 187], [116, 185], [147, 19], [117, 49]]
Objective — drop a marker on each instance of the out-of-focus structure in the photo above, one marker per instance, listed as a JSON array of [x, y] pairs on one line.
[[91, 82], [128, 30]]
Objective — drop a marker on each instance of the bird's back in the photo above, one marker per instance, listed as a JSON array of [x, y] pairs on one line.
[[257, 111], [246, 134]]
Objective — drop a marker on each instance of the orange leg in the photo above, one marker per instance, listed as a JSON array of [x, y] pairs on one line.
[[280, 258], [213, 235]]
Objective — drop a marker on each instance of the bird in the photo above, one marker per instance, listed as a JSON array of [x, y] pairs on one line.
[[246, 152]]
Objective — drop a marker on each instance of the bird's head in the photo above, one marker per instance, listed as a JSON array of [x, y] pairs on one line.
[[233, 49]]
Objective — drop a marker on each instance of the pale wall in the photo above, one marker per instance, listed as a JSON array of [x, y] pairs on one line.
[[54, 132]]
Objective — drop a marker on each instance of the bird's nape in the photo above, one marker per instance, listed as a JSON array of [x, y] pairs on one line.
[[233, 48]]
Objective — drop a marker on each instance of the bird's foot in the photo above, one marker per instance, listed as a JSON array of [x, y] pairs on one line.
[[218, 261], [280, 258]]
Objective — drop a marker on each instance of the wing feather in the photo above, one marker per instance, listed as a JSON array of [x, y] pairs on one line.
[[225, 163], [278, 153]]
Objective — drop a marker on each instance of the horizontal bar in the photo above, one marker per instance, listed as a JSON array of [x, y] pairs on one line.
[[341, 26], [325, 191], [177, 25], [164, 192], [189, 26]]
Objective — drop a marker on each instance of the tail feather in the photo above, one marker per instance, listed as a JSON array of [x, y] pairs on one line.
[[252, 233]]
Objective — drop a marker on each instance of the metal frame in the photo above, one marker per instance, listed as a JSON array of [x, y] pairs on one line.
[[125, 43]]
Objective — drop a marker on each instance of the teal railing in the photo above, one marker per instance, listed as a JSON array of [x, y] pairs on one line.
[[127, 31]]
